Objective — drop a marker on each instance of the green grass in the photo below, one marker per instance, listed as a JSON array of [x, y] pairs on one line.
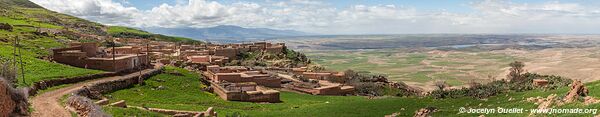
[[183, 93], [131, 112], [37, 69], [26, 17]]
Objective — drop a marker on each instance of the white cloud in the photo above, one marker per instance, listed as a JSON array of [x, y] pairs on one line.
[[488, 16]]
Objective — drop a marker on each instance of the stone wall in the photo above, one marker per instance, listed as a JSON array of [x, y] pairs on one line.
[[6, 26], [85, 107], [80, 100], [41, 85]]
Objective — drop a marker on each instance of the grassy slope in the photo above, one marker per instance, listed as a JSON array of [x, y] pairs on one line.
[[34, 46], [120, 31], [183, 93], [37, 69]]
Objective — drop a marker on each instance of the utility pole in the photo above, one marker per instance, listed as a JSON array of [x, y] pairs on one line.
[[17, 52], [14, 61], [148, 52], [140, 79], [21, 62]]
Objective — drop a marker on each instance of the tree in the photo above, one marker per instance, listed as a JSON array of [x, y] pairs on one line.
[[516, 69], [440, 84]]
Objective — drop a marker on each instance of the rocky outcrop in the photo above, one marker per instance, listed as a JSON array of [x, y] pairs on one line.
[[85, 107], [13, 102], [7, 105], [102, 102], [6, 26], [121, 104], [577, 89], [425, 112]]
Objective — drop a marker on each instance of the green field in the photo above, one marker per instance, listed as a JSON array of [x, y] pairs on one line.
[[420, 67], [183, 93]]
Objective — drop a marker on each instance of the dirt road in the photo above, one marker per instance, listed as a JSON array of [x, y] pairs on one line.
[[48, 104]]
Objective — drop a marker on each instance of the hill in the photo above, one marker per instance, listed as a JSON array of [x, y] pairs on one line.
[[40, 30], [127, 32], [227, 32]]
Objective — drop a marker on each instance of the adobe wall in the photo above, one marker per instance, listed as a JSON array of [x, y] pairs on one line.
[[275, 50], [329, 91], [316, 75], [90, 49], [119, 64], [70, 60], [224, 94], [261, 97], [268, 82], [243, 96], [227, 52], [235, 78]]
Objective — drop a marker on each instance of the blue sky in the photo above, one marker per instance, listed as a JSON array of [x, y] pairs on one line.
[[346, 16]]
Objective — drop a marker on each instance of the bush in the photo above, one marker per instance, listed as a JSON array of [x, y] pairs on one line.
[[8, 72], [502, 86], [369, 88]]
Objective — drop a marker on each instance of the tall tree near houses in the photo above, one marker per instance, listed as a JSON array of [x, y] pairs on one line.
[[516, 69]]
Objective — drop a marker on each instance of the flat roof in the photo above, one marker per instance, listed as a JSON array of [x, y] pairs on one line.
[[116, 58]]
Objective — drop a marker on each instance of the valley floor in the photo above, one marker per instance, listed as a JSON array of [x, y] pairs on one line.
[[422, 68]]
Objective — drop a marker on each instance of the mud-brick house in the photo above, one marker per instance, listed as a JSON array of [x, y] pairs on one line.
[[246, 92], [207, 60], [228, 52], [125, 50], [88, 55], [238, 74], [322, 88]]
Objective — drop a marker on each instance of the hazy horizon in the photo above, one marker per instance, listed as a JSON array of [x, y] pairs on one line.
[[338, 17]]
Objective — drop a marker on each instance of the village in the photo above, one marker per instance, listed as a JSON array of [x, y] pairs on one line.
[[233, 83]]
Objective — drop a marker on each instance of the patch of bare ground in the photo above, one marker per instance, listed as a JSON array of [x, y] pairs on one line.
[[428, 86], [574, 63]]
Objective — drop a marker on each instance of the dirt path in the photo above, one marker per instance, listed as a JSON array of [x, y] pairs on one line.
[[48, 104]]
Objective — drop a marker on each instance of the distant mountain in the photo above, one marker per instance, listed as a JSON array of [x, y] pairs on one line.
[[227, 32]]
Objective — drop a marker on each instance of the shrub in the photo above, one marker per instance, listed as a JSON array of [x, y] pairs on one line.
[[477, 90], [8, 71]]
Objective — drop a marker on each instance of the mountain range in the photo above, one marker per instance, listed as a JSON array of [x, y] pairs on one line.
[[227, 32]]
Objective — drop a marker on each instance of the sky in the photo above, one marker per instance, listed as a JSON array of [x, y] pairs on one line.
[[347, 16]]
